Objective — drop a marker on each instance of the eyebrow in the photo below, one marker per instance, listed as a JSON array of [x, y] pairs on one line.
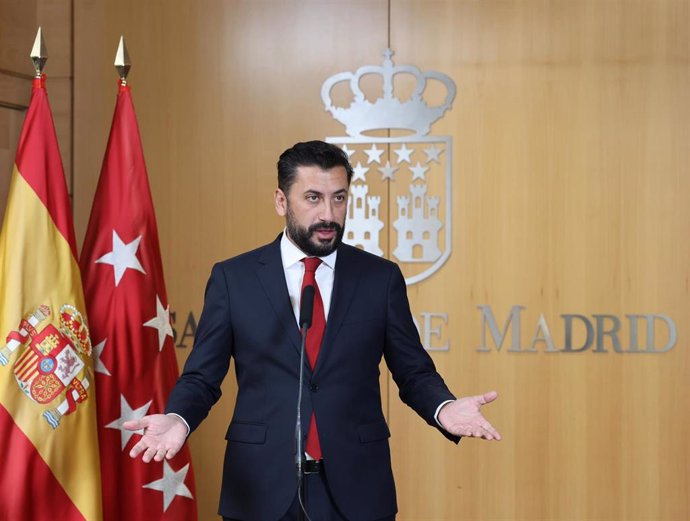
[[316, 192]]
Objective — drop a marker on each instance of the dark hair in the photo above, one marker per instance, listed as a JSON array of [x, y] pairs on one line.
[[310, 153]]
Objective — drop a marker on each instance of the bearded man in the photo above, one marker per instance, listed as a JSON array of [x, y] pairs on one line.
[[361, 314]]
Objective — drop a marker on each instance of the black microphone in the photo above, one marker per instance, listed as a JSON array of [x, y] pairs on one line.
[[306, 309]]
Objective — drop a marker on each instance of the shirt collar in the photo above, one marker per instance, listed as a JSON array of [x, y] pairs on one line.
[[291, 254]]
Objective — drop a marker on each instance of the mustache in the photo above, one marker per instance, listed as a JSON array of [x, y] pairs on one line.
[[328, 225]]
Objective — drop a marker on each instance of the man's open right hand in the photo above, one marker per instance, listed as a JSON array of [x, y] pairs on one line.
[[162, 436]]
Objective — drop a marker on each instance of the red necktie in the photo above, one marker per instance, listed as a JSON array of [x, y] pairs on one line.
[[313, 343]]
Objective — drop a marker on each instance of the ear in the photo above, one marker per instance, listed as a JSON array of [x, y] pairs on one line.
[[280, 200]]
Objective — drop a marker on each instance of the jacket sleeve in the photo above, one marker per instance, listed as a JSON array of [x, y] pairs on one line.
[[420, 386], [198, 388]]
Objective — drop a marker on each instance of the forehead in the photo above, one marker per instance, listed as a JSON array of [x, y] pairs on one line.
[[320, 180]]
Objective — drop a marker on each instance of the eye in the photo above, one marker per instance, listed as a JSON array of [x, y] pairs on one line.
[[339, 198], [312, 198]]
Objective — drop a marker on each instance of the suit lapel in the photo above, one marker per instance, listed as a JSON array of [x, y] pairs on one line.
[[344, 287], [272, 278]]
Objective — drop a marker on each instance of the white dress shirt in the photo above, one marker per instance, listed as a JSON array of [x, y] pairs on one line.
[[294, 273]]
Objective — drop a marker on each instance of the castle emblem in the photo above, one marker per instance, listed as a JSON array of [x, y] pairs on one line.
[[50, 367], [402, 175]]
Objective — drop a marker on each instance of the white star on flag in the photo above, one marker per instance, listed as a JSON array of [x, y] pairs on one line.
[[122, 257], [374, 154], [404, 153], [432, 154], [126, 414], [418, 171], [388, 171], [359, 172], [161, 322], [98, 364], [171, 484]]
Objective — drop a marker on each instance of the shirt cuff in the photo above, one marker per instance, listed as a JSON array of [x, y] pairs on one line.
[[188, 429], [438, 410]]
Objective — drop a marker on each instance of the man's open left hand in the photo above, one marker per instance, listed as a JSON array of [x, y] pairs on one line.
[[463, 418]]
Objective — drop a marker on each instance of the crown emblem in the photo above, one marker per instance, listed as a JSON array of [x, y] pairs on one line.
[[387, 111], [72, 325]]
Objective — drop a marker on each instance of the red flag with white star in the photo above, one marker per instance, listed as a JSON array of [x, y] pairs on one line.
[[129, 317]]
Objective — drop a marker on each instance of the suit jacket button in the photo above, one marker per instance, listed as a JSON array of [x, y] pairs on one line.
[[314, 388]]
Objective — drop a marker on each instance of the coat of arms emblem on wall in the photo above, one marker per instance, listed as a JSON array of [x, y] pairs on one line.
[[400, 195]]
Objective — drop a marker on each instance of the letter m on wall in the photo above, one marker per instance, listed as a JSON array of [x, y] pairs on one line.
[[511, 324]]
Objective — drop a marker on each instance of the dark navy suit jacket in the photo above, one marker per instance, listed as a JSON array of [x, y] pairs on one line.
[[247, 315]]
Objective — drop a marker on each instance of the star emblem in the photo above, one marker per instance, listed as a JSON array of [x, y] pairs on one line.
[[122, 257], [418, 171], [171, 484], [359, 172], [433, 153], [161, 322], [126, 414], [348, 151], [404, 154], [374, 154], [99, 366], [388, 171]]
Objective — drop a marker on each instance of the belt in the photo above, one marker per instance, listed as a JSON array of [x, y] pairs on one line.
[[312, 466]]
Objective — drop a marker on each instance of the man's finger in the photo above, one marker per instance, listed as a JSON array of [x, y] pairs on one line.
[[170, 454], [487, 397], [160, 454], [136, 425], [138, 448], [149, 454], [493, 432]]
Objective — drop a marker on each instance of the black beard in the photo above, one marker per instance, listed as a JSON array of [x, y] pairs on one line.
[[302, 236]]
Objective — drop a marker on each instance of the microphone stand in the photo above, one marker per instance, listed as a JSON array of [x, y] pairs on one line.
[[306, 311], [299, 453]]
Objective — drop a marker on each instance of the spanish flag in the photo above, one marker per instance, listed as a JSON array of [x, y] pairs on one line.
[[48, 439]]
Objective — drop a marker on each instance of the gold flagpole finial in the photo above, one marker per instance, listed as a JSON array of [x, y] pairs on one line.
[[122, 63], [38, 53]]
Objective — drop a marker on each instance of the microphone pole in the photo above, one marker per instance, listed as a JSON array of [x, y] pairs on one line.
[[305, 317]]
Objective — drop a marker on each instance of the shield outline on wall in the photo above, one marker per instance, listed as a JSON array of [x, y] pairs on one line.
[[446, 197]]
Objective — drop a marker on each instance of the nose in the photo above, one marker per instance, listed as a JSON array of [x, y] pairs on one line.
[[327, 214]]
